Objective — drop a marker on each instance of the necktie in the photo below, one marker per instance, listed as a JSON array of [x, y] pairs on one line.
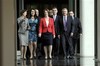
[[65, 21]]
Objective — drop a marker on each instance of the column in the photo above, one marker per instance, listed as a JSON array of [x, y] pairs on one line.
[[87, 43], [71, 4], [7, 32], [20, 5]]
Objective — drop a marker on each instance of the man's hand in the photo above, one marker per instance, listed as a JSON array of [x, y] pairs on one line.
[[81, 34], [59, 36], [72, 34]]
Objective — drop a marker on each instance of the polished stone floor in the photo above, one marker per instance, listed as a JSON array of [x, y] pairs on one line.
[[76, 61]]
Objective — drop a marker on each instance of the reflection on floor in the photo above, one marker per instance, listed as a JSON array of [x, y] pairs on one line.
[[76, 61]]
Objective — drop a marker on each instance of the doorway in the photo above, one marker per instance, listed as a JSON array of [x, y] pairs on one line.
[[41, 4]]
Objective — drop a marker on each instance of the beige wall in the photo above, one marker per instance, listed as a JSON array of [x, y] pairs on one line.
[[98, 27], [7, 36], [0, 33]]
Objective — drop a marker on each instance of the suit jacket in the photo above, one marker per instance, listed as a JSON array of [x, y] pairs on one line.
[[37, 26], [78, 28], [43, 28], [69, 25], [57, 25], [23, 24]]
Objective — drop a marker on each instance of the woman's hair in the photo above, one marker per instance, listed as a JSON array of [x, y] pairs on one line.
[[22, 11], [46, 10], [34, 11]]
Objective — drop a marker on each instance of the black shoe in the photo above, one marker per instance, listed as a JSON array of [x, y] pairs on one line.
[[64, 57], [68, 57], [34, 57], [31, 58], [71, 57], [50, 58]]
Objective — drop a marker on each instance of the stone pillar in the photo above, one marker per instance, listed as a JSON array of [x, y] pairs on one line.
[[87, 43], [71, 4], [7, 32]]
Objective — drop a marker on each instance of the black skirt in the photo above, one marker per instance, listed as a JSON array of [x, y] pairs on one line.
[[47, 39]]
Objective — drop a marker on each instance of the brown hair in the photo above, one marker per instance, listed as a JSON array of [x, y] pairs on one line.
[[46, 10], [54, 8], [22, 11]]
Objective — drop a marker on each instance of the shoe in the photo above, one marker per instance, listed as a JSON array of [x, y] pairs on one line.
[[31, 58], [64, 57], [24, 58], [50, 58], [34, 57], [68, 57], [46, 58], [71, 57]]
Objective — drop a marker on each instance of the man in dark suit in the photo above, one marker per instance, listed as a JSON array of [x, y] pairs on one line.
[[77, 30], [50, 13], [39, 45], [56, 41], [66, 30]]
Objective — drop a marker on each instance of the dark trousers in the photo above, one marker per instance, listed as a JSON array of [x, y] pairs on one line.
[[56, 43], [39, 48], [67, 45], [75, 44]]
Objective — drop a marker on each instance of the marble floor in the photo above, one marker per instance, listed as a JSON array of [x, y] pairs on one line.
[[76, 61]]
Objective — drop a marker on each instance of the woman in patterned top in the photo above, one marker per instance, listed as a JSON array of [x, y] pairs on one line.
[[33, 22]]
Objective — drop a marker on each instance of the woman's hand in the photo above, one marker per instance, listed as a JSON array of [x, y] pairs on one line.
[[54, 36], [39, 35]]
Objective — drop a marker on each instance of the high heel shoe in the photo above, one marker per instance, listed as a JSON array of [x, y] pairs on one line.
[[46, 58], [31, 58], [34, 57], [50, 58], [24, 58]]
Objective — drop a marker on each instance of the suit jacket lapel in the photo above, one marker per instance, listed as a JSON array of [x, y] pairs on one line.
[[45, 22]]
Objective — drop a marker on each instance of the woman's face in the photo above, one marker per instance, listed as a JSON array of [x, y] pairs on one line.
[[46, 13], [25, 13], [32, 12]]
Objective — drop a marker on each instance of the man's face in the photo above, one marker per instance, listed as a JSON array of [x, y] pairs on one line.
[[64, 12], [50, 13], [71, 13], [55, 11], [37, 12]]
